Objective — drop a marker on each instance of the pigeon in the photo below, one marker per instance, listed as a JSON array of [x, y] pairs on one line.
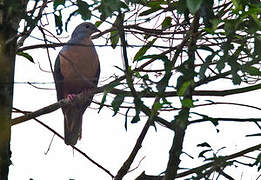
[[76, 70]]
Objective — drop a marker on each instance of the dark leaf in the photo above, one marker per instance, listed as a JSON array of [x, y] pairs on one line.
[[206, 11], [163, 83], [207, 48], [135, 119], [153, 56], [83, 9], [116, 103], [253, 71], [258, 161], [58, 23], [103, 100], [26, 55], [113, 85], [150, 11], [107, 7], [236, 79], [204, 144], [257, 45], [193, 5], [205, 65], [56, 3], [214, 121], [126, 119], [156, 3], [220, 65], [201, 154], [74, 13]]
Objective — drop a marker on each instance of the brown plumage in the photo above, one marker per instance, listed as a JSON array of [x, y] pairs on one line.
[[77, 69]]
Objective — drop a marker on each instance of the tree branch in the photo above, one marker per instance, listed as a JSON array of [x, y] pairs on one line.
[[181, 121], [207, 165]]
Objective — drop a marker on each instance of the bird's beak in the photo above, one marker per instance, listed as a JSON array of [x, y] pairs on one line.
[[96, 32]]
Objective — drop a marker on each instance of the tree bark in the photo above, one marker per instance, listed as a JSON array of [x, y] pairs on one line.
[[10, 16]]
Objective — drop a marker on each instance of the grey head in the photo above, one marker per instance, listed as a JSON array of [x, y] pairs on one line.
[[84, 30]]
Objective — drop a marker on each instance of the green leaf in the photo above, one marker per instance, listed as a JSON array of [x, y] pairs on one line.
[[83, 9], [116, 103], [114, 39], [56, 3], [193, 5], [156, 3], [98, 23], [103, 100], [187, 103], [144, 49], [253, 71], [26, 55], [166, 22], [204, 144], [157, 106], [184, 87]]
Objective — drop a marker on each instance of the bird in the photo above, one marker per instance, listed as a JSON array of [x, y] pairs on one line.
[[76, 70]]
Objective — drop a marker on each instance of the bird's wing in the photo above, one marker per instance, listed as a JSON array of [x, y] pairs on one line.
[[77, 69], [58, 79]]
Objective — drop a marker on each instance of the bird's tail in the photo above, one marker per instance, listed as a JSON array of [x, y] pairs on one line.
[[73, 120], [72, 127]]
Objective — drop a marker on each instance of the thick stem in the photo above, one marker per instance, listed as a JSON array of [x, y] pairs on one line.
[[181, 121], [10, 16]]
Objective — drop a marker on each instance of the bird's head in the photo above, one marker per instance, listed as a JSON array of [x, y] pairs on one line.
[[85, 29]]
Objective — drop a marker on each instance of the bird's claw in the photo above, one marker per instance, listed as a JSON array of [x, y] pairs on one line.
[[71, 97]]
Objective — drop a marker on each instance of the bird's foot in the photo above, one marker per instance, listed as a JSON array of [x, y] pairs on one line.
[[71, 97]]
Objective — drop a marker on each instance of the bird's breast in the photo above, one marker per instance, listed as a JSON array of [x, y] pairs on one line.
[[79, 66]]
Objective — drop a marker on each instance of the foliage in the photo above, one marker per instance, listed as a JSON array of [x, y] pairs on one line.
[[180, 47]]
